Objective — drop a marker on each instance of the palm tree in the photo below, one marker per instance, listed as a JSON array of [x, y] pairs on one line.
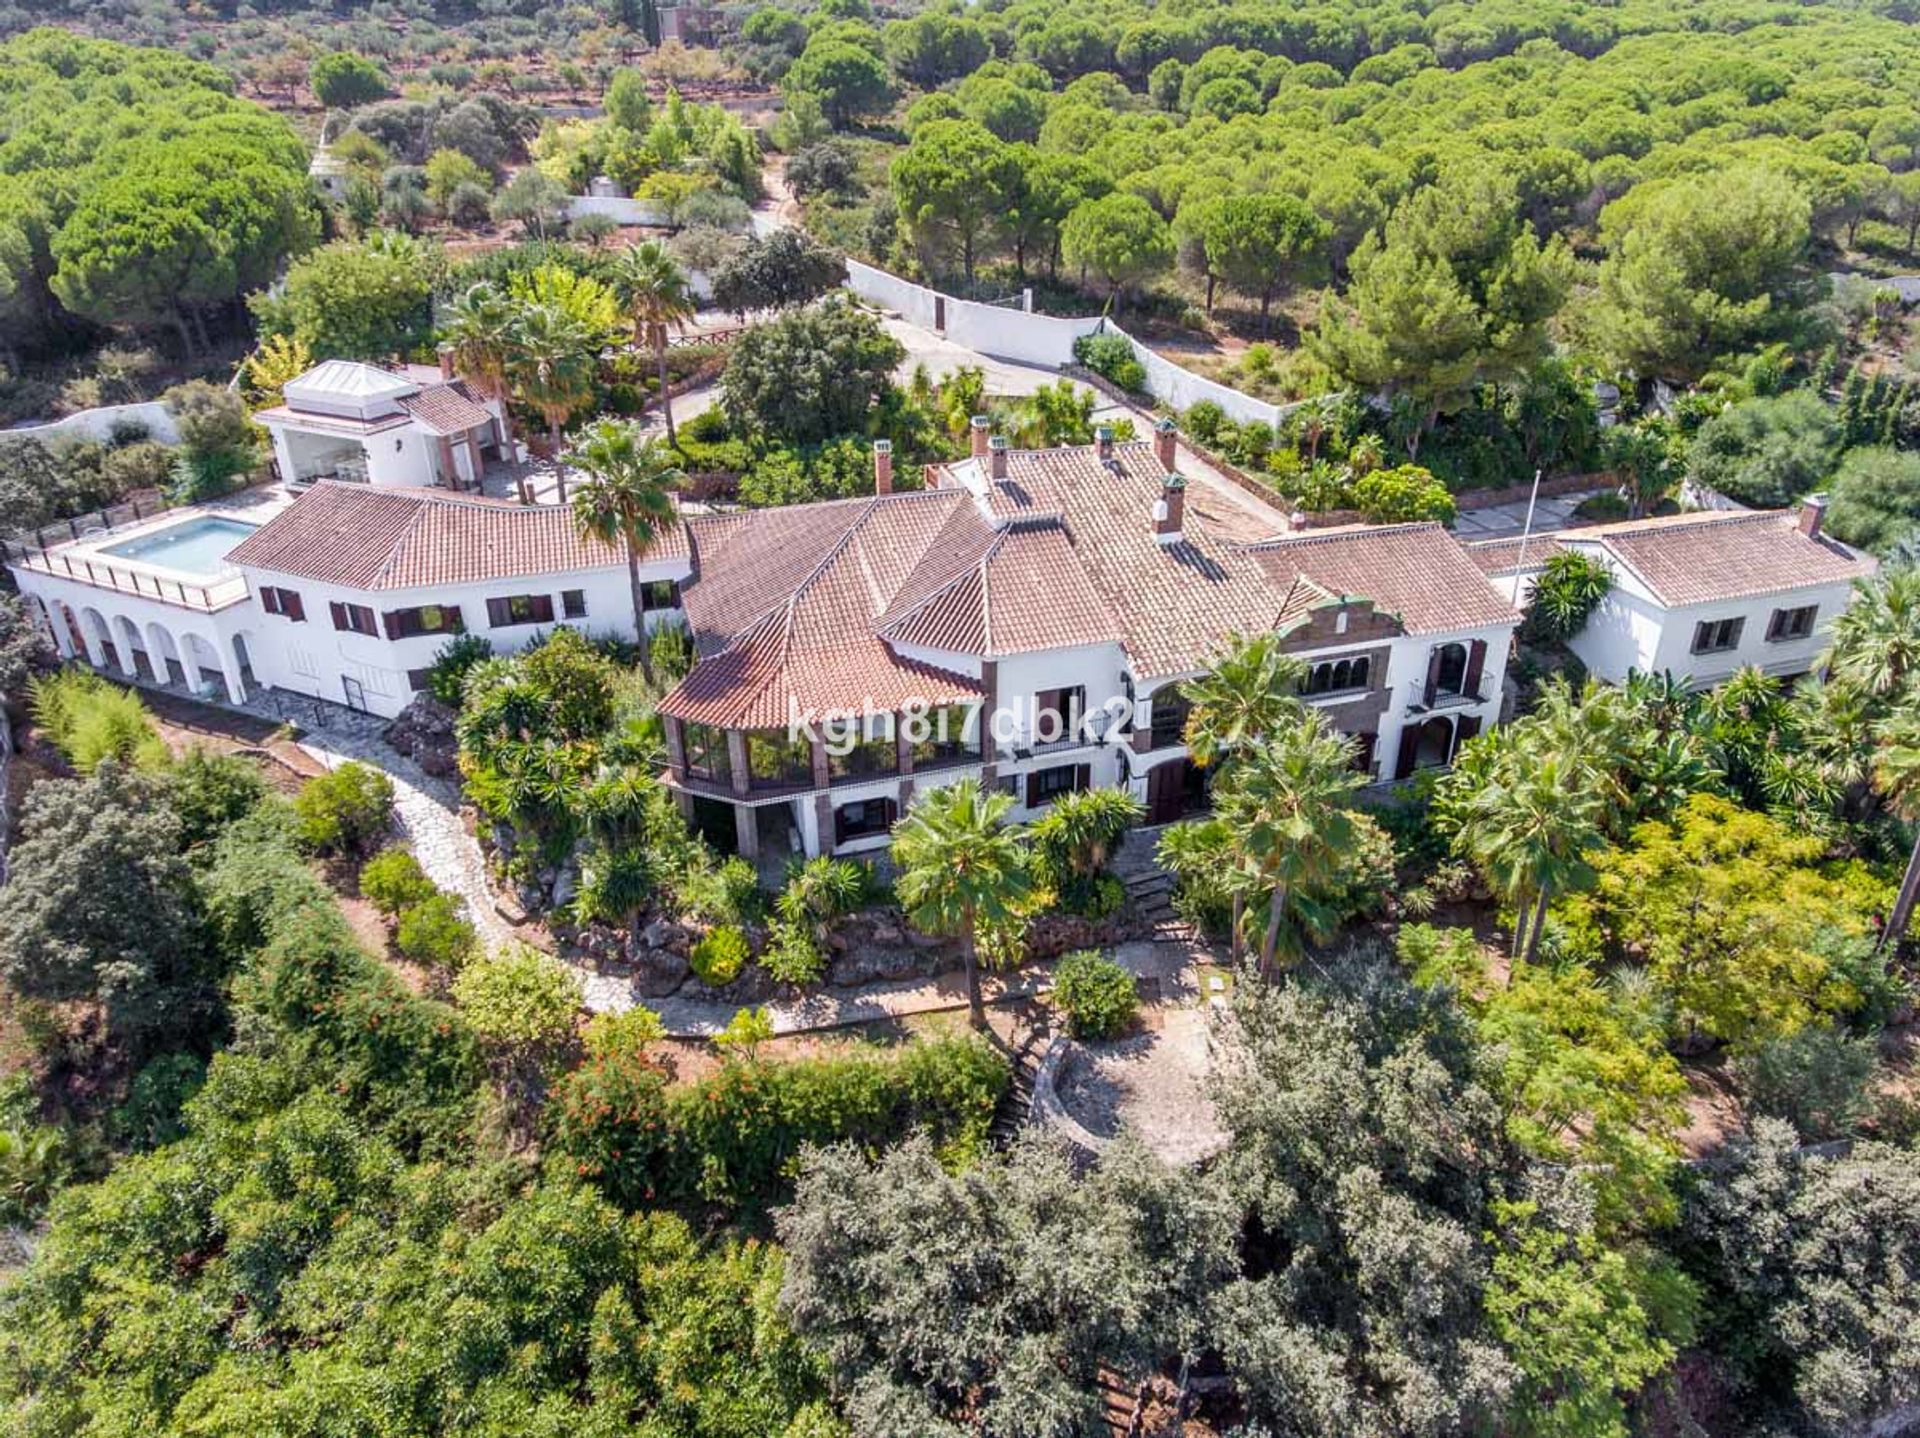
[[623, 499], [1250, 693], [1283, 802], [660, 299], [961, 867], [481, 331], [1876, 640], [551, 366], [1528, 828], [1896, 774]]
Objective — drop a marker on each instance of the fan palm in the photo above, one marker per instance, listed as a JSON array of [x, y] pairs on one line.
[[1896, 774], [1876, 640], [658, 296], [1251, 691], [481, 331], [961, 868], [551, 367], [623, 499], [1529, 827], [1283, 802]]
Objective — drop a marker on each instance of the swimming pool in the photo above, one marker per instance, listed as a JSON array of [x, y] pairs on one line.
[[196, 547]]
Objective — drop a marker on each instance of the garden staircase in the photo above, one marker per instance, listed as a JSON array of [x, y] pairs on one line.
[[1151, 896], [1016, 1104]]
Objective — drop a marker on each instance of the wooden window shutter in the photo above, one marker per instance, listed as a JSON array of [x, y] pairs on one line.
[[339, 613], [1476, 661], [1433, 675], [543, 608], [1033, 791], [390, 621], [290, 601], [1469, 726], [1082, 777], [497, 613], [1409, 748]]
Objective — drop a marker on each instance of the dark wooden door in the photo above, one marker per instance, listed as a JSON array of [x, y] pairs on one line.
[[1166, 791]]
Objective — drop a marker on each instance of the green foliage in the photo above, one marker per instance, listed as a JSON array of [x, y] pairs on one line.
[[518, 999], [951, 185], [1112, 357], [670, 648], [1120, 238], [92, 720], [346, 810], [434, 931], [365, 301], [343, 81], [731, 1139], [1875, 495], [1766, 452], [1818, 1079], [1098, 997], [452, 662], [208, 791], [393, 881], [779, 271], [1401, 495], [1570, 586], [848, 80], [811, 373], [745, 1032], [719, 956]]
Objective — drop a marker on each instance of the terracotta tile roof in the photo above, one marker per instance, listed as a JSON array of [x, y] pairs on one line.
[[1702, 558], [1419, 572], [1499, 558], [365, 537], [446, 409]]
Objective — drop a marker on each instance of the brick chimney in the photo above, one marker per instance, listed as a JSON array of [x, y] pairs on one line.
[[997, 449], [979, 428], [1170, 509], [446, 361], [883, 466], [1103, 442], [1813, 512], [1165, 451]]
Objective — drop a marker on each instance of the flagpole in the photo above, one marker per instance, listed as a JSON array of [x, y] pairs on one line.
[[1526, 533]]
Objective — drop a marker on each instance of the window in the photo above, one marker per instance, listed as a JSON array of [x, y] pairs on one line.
[[1792, 623], [1046, 785], [705, 748], [659, 594], [425, 619], [1170, 710], [947, 735], [1056, 715], [1450, 672], [777, 761], [1717, 636], [519, 609], [867, 759], [573, 603], [1336, 676], [355, 618], [284, 602], [867, 819]]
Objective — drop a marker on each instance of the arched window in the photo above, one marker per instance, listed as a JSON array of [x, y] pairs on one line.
[[1451, 676]]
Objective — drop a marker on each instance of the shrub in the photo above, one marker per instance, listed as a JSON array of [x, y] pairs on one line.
[[671, 650], [1818, 1079], [518, 999], [434, 931], [793, 956], [1402, 495], [451, 663], [209, 791], [469, 206], [91, 720], [345, 811], [393, 881], [625, 1032], [1093, 896], [720, 955], [1607, 505], [1204, 421], [1570, 586], [1098, 997], [1080, 833], [728, 893], [1111, 356], [745, 1032]]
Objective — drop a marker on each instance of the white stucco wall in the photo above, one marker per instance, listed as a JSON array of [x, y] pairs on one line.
[[98, 424]]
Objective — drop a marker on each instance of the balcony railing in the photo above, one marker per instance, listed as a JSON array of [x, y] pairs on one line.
[[125, 579]]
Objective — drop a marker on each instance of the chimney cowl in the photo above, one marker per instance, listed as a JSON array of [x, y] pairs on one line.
[[1297, 521], [997, 452], [1103, 441], [1169, 510], [1165, 449]]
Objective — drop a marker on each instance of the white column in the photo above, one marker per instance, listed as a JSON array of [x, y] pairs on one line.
[[123, 647], [230, 670], [96, 655], [57, 622], [283, 452]]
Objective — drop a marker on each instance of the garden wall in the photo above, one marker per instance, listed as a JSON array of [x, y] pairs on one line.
[[1046, 340], [98, 424], [621, 209]]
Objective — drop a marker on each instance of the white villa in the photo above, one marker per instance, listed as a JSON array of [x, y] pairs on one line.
[[417, 426], [1027, 617], [1701, 596]]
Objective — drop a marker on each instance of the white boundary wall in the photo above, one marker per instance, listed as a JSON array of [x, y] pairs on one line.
[[97, 424], [1012, 334], [624, 211]]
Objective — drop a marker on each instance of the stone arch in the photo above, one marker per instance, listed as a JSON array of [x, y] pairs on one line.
[[198, 655], [132, 647], [97, 637], [1435, 746]]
